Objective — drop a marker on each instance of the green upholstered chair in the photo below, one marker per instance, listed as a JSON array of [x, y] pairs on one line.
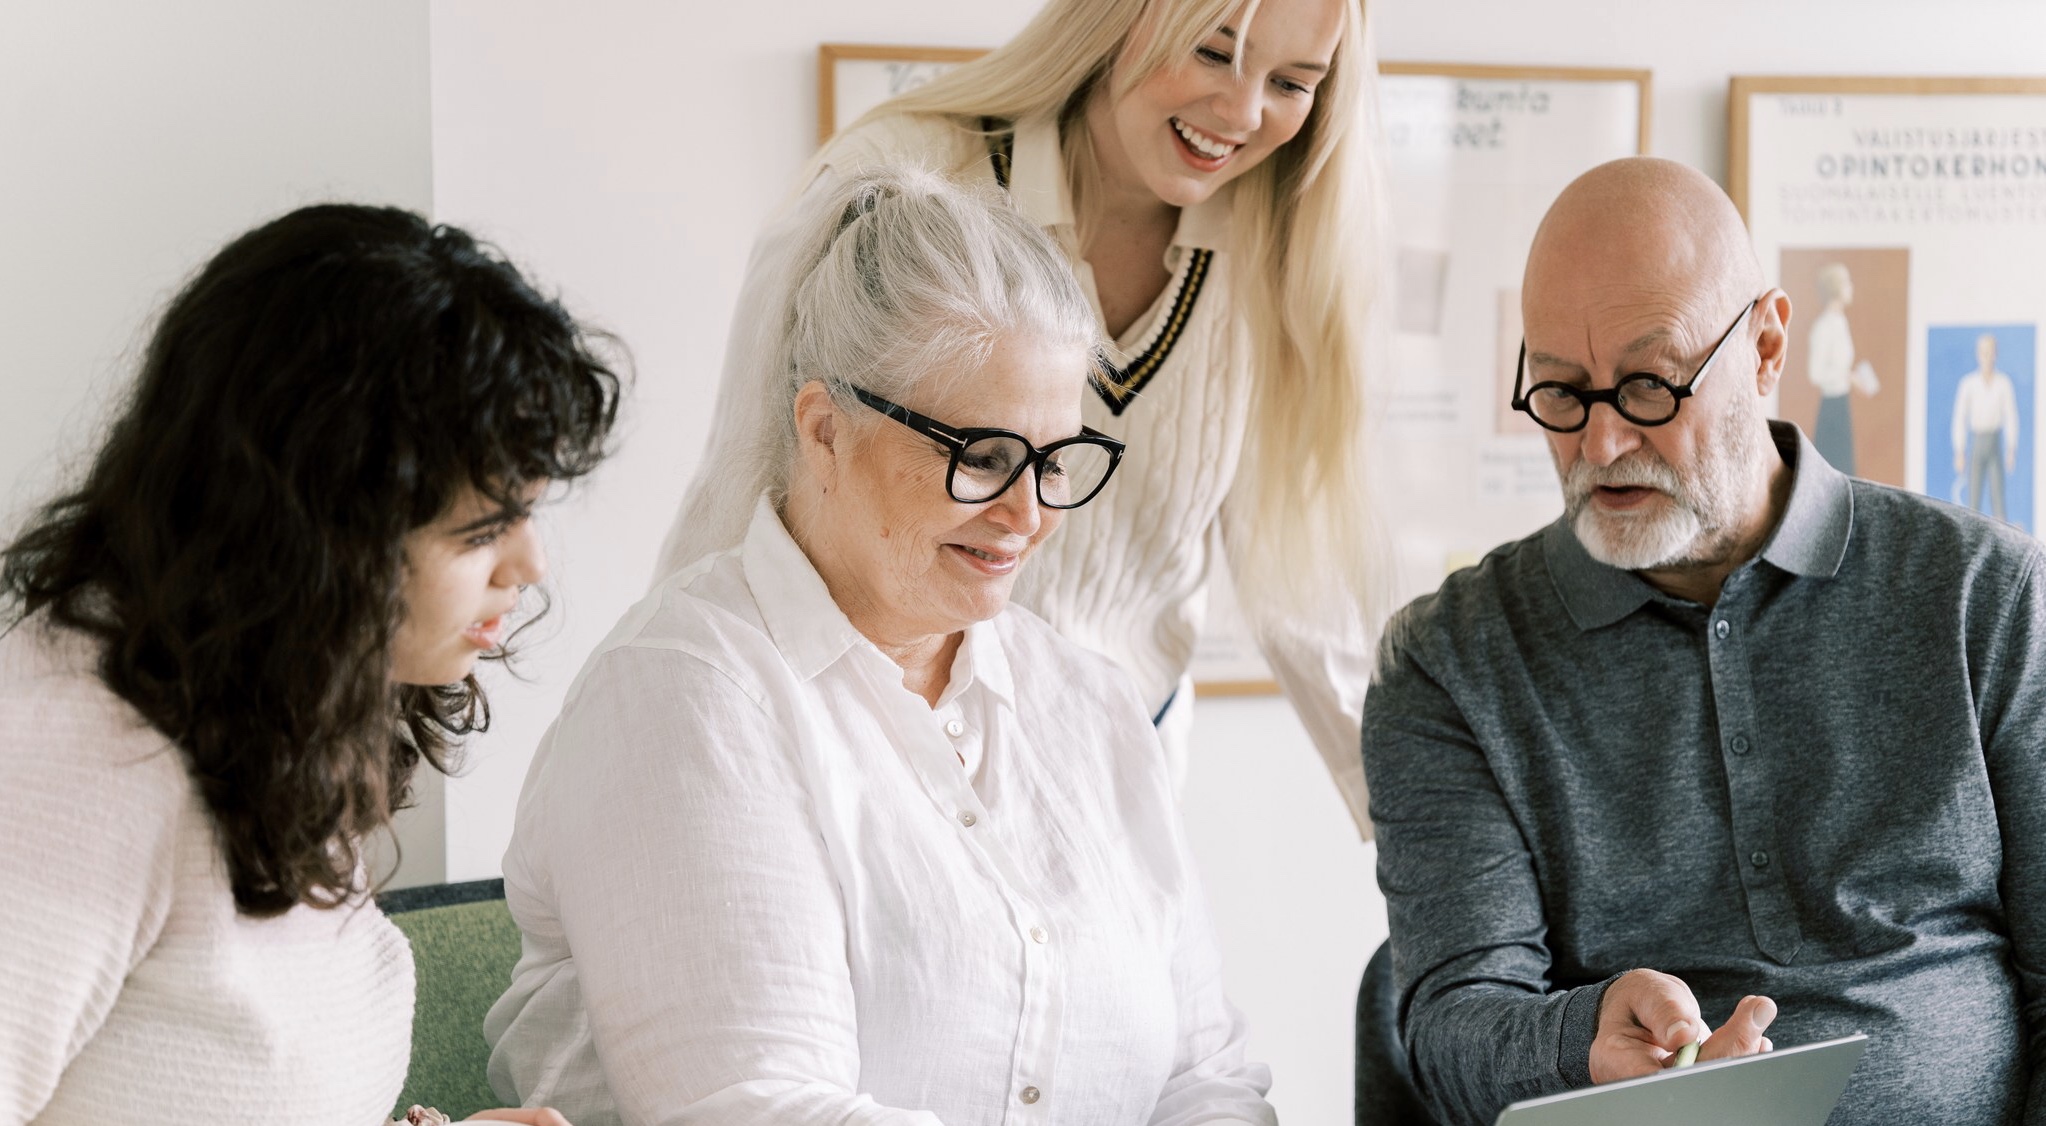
[[464, 945]]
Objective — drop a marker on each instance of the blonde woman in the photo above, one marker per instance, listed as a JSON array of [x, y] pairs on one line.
[[1207, 166]]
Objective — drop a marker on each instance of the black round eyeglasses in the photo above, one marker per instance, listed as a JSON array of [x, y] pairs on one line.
[[1642, 398]]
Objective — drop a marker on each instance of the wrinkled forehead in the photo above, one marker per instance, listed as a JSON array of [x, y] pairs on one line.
[[1598, 324], [1604, 294]]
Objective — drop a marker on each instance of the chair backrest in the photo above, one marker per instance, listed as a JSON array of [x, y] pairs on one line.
[[464, 945], [1385, 1091]]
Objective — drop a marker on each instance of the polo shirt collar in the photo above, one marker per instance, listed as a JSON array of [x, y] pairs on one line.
[[812, 633], [1037, 185], [1596, 595], [1810, 540]]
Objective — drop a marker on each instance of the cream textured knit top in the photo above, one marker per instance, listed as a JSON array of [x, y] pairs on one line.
[[1127, 575], [130, 989]]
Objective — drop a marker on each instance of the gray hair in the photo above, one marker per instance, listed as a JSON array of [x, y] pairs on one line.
[[908, 280], [885, 280]]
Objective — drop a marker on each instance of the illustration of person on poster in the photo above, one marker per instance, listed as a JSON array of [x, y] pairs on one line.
[[1834, 370], [1978, 400], [1986, 430]]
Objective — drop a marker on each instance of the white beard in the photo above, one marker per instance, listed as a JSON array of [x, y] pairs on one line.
[[1638, 541], [1694, 524]]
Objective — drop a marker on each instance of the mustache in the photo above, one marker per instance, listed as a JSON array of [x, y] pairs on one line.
[[1644, 472]]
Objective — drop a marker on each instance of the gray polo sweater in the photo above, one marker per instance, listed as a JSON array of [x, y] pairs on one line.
[[1829, 788]]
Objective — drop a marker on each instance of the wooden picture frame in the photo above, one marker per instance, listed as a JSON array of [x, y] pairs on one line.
[[843, 95], [1642, 78], [1902, 216]]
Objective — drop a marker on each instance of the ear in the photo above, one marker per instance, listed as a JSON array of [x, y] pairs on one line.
[[816, 418], [1773, 345]]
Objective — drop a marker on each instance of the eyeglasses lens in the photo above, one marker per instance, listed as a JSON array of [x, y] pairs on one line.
[[986, 466], [1072, 473]]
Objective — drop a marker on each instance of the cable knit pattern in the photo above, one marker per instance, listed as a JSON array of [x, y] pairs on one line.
[[130, 989]]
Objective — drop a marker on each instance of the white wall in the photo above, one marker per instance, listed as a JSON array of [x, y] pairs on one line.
[[137, 137], [629, 150]]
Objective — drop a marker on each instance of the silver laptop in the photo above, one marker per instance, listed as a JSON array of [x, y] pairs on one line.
[[1786, 1087]]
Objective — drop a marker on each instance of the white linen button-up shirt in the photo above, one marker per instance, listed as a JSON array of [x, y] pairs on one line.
[[757, 885]]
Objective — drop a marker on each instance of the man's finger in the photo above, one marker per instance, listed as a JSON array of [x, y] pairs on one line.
[[1741, 1035], [1663, 1006]]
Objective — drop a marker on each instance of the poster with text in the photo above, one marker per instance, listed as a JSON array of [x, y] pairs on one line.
[[1475, 155], [1905, 218]]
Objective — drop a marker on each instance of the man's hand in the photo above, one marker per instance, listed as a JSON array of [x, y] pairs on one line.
[[1646, 1016]]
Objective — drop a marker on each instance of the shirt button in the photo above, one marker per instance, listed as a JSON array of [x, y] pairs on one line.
[[954, 728], [1721, 629], [1759, 858], [1039, 935], [1030, 1094], [967, 818], [1740, 744]]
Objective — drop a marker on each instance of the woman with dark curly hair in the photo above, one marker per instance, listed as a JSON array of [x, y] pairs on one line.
[[226, 651]]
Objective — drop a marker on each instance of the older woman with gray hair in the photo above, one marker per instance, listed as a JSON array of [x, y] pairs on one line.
[[827, 831]]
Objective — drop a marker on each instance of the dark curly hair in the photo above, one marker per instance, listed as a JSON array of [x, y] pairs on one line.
[[329, 382]]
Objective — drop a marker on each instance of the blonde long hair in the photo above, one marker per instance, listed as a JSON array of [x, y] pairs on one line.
[[1307, 225]]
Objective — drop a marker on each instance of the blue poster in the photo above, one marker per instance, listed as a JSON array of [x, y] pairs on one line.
[[1978, 418]]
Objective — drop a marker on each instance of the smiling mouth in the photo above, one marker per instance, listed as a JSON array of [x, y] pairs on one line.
[[987, 555], [1201, 144]]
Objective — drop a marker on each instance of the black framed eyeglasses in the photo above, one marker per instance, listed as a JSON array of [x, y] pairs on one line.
[[985, 461], [1642, 398]]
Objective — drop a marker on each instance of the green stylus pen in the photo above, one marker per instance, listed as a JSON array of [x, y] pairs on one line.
[[1688, 1054]]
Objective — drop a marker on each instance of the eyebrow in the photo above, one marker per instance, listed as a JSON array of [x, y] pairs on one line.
[[1647, 341], [497, 518], [1229, 33]]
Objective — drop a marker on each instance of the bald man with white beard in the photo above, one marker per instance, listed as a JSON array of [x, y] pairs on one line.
[[1739, 748]]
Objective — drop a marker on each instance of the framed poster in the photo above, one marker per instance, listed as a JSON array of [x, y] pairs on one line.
[[1904, 216], [853, 78], [1474, 157]]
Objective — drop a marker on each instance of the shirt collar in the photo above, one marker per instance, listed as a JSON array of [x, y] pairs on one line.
[[1810, 540], [981, 660], [812, 633], [1037, 184], [802, 618]]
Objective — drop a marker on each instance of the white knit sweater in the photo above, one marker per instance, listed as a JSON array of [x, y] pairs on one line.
[[130, 989], [1128, 574]]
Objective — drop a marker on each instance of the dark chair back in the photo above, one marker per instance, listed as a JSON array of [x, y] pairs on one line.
[[1385, 1091]]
